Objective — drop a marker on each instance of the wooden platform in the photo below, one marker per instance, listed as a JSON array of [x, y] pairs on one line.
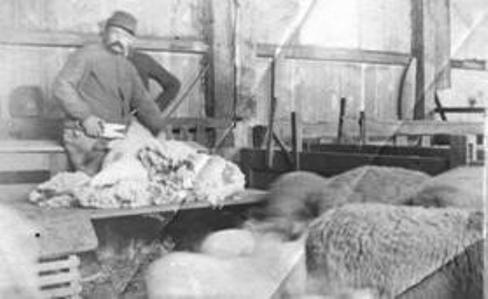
[[63, 231]]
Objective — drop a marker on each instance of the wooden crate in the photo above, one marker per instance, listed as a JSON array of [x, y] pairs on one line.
[[60, 278]]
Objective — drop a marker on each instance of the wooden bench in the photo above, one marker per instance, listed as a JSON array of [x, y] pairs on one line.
[[26, 163]]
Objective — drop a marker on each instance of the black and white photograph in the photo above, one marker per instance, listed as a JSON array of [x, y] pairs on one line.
[[221, 149]]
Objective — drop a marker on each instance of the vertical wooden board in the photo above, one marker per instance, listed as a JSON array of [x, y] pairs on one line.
[[169, 18], [371, 24], [7, 14], [467, 85], [52, 62], [76, 15], [21, 73], [260, 88], [221, 74], [388, 83], [467, 39], [311, 90], [408, 92], [186, 68], [30, 68], [284, 91], [372, 105], [397, 26], [271, 20], [351, 86], [332, 23], [30, 15]]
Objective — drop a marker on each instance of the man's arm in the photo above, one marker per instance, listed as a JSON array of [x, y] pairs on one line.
[[64, 88], [147, 110], [168, 82]]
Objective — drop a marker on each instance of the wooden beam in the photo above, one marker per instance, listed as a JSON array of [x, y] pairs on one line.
[[333, 163], [431, 46], [469, 64], [67, 39], [221, 81], [390, 128], [331, 54]]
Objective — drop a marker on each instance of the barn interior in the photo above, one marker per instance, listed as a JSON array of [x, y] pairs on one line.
[[313, 149]]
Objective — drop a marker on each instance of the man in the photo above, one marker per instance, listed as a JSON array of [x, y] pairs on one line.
[[149, 68], [99, 85]]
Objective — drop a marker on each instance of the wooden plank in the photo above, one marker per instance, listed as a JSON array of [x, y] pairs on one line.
[[431, 46], [333, 163], [201, 122], [30, 146], [469, 64], [222, 56], [58, 278], [221, 77], [68, 39], [24, 177], [407, 91], [24, 161], [70, 262], [31, 128], [71, 291], [331, 54], [60, 231], [383, 150], [390, 128], [15, 193], [247, 197]]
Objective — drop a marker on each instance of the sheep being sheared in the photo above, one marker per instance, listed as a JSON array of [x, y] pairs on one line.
[[296, 198], [397, 250]]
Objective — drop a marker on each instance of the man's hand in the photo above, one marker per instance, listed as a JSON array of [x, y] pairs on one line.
[[93, 126]]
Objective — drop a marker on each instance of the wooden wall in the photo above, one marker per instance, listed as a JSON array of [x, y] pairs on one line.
[[469, 41], [314, 87], [38, 35]]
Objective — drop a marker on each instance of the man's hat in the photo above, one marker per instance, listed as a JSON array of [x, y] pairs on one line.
[[123, 20]]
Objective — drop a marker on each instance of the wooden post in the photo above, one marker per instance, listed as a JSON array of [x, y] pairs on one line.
[[295, 140], [220, 80], [431, 46], [269, 135], [342, 113]]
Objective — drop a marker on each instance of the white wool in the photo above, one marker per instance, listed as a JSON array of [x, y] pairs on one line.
[[218, 179], [194, 275], [19, 255], [229, 243], [459, 187], [127, 168], [391, 248]]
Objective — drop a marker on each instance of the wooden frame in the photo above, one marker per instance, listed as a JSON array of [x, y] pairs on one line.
[[66, 39], [334, 54], [469, 64]]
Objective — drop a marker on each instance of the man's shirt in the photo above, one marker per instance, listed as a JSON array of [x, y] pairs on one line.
[[95, 81]]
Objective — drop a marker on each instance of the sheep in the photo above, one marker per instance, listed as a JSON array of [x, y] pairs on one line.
[[397, 250], [256, 274], [296, 198], [460, 187]]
